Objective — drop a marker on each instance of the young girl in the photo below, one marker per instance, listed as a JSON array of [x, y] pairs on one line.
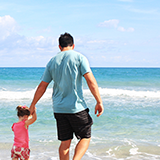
[[20, 147]]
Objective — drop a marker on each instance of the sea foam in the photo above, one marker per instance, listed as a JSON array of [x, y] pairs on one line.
[[16, 95]]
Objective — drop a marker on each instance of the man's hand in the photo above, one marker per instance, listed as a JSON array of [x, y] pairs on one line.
[[99, 108], [32, 109]]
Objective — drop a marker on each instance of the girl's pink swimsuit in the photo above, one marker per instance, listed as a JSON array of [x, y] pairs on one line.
[[21, 136]]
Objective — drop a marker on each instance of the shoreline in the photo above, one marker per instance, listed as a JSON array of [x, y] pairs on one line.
[[102, 152]]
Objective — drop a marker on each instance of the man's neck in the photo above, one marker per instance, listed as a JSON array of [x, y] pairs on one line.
[[66, 48]]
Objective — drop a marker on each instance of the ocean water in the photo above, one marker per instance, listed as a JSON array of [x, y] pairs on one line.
[[129, 128]]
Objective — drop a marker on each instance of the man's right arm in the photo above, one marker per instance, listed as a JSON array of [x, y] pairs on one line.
[[38, 94], [93, 86]]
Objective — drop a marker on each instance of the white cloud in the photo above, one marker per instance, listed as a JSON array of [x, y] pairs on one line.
[[149, 11], [113, 23], [97, 41], [101, 42], [110, 23], [8, 26], [11, 40], [116, 58], [122, 29], [15, 47]]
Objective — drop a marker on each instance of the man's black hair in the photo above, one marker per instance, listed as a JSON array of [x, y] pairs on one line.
[[66, 40]]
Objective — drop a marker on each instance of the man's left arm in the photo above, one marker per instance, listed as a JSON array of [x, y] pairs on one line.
[[38, 94], [93, 86]]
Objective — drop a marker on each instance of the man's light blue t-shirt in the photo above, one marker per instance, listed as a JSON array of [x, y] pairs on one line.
[[66, 70]]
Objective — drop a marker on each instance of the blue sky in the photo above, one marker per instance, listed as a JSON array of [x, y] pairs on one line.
[[110, 33]]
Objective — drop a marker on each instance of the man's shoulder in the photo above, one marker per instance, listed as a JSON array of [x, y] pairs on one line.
[[66, 55], [54, 57]]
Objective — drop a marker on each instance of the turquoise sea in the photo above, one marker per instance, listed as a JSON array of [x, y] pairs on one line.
[[129, 129]]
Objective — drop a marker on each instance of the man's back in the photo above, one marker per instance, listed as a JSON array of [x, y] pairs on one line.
[[66, 70]]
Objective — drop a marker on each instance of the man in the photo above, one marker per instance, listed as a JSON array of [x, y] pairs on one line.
[[66, 70]]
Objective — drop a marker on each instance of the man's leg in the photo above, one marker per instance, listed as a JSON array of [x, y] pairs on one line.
[[64, 150], [81, 148]]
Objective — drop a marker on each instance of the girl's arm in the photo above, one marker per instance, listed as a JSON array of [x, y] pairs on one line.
[[32, 120]]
